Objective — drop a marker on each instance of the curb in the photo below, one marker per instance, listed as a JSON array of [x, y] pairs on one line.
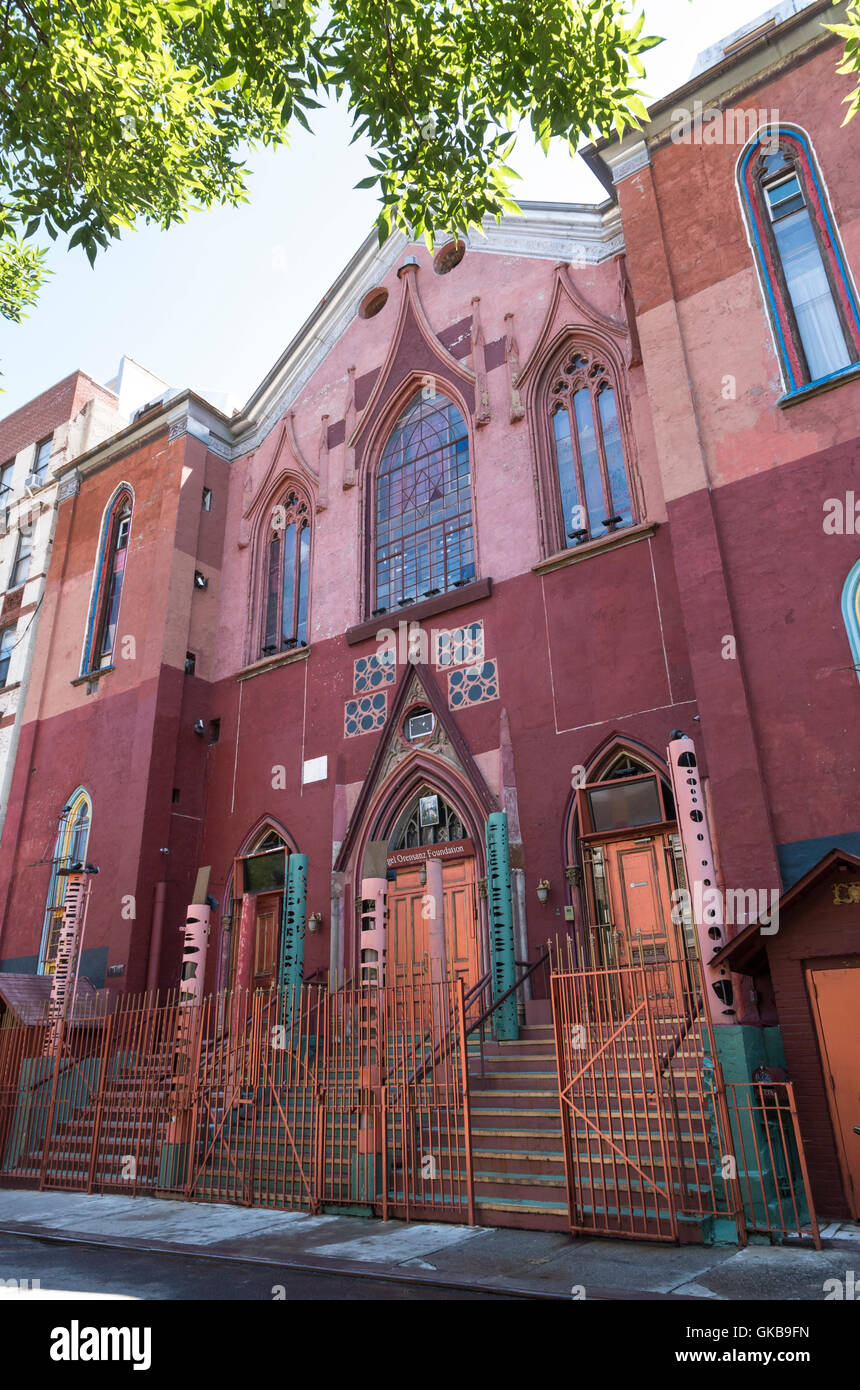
[[309, 1265]]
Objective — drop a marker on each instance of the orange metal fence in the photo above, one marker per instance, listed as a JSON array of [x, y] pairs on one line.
[[763, 1145], [297, 1101], [654, 1141]]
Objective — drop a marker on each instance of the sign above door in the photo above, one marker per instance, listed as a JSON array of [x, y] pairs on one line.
[[448, 849]]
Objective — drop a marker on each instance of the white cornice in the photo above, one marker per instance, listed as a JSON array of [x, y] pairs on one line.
[[577, 233], [628, 160], [182, 413]]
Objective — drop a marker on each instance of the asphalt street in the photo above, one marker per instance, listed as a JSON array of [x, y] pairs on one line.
[[81, 1271]]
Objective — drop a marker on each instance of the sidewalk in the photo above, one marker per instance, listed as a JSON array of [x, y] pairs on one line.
[[543, 1264]]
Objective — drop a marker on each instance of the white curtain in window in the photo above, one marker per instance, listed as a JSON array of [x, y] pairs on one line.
[[811, 296]]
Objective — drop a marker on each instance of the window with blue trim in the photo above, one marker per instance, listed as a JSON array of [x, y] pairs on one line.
[[70, 851], [851, 613], [808, 290], [107, 590]]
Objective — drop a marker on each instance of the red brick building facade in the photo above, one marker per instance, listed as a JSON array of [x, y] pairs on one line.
[[591, 461]]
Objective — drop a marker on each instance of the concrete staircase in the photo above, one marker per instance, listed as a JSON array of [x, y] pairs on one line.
[[516, 1124], [516, 1133]]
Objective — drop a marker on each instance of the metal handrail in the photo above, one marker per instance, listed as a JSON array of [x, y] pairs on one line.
[[441, 1050], [508, 992], [496, 1003]]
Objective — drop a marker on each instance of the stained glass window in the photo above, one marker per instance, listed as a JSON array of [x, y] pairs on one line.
[[287, 561], [70, 850], [424, 537], [592, 473], [409, 832], [101, 636], [114, 575]]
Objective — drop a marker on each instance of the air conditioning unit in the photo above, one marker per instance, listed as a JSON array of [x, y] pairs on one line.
[[33, 480]]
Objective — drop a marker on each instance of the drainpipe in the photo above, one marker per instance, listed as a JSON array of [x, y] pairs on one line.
[[336, 943], [155, 937], [521, 936]]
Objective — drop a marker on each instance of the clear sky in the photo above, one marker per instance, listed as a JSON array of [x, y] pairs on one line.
[[212, 303]]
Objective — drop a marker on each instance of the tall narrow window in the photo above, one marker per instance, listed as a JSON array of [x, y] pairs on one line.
[[100, 644], [423, 511], [287, 569], [808, 291], [6, 472], [851, 614], [70, 851], [23, 554], [589, 454], [7, 642], [42, 459]]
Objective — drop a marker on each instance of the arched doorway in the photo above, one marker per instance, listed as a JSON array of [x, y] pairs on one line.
[[625, 854], [257, 887], [430, 827]]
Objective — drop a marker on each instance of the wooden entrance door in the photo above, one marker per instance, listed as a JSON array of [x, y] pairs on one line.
[[834, 995], [267, 935], [407, 949], [640, 901]]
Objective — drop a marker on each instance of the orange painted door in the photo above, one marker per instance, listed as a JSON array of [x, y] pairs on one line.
[[835, 998], [408, 946], [461, 921], [406, 950], [640, 898], [267, 931]]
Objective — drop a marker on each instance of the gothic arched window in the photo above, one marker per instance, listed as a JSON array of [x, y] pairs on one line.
[[851, 613], [423, 533], [807, 288], [101, 634], [70, 851], [286, 569], [428, 820], [594, 489]]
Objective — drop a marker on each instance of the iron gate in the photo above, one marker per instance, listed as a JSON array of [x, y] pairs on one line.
[[293, 1100], [655, 1145]]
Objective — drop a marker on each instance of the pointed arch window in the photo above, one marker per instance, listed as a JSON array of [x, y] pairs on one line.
[[807, 287], [287, 572], [70, 851], [851, 614], [101, 638], [424, 542], [627, 861], [428, 820], [593, 486]]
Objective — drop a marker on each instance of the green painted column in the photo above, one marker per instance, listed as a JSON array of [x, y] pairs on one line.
[[501, 911], [291, 968]]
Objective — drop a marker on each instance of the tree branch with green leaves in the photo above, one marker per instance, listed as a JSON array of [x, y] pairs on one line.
[[120, 112], [850, 32]]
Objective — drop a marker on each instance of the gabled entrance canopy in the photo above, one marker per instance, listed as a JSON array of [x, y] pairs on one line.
[[445, 761]]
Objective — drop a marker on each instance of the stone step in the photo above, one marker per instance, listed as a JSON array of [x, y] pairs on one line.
[[533, 1141], [541, 1163], [541, 1117], [529, 1215]]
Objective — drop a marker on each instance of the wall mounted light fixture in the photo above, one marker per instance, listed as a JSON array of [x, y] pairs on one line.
[[543, 890], [314, 922]]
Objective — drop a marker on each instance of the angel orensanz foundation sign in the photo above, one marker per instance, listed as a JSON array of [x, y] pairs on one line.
[[449, 849]]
